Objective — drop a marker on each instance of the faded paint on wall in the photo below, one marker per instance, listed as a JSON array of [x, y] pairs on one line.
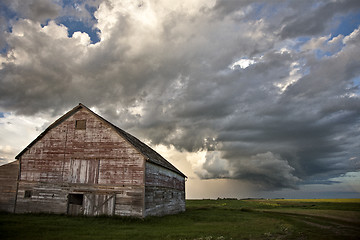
[[84, 165], [69, 160]]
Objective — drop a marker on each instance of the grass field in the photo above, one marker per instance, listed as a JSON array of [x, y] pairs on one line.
[[203, 220]]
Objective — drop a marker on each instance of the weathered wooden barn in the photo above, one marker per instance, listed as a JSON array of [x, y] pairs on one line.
[[83, 164]]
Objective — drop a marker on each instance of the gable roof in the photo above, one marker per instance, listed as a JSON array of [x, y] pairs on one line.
[[150, 154]]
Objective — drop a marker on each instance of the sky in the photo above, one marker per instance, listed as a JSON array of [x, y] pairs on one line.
[[247, 98]]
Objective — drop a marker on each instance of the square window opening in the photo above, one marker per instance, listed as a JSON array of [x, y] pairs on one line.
[[80, 124], [27, 194], [76, 199]]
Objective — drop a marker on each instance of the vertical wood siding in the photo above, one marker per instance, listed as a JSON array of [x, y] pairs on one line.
[[99, 204], [84, 171]]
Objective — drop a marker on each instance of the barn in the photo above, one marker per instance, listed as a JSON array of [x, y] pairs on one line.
[[84, 165]]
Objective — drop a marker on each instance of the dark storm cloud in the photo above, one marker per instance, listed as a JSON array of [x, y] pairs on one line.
[[3, 29], [38, 10], [173, 74], [314, 22]]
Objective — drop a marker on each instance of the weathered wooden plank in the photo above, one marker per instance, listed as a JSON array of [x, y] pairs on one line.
[[164, 191], [98, 200], [162, 201], [159, 176]]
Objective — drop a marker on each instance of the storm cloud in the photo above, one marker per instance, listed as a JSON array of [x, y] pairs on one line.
[[262, 86]]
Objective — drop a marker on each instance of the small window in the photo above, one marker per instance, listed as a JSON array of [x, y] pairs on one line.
[[76, 199], [27, 194], [80, 124]]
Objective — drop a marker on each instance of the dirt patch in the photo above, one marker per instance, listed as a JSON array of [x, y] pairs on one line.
[[339, 226], [345, 216]]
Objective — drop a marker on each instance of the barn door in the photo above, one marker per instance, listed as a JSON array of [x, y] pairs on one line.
[[99, 204], [75, 204]]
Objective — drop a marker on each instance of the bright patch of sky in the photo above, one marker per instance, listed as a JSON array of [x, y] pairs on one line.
[[356, 86], [17, 132], [82, 20], [347, 24], [299, 42], [356, 81], [320, 54], [75, 25]]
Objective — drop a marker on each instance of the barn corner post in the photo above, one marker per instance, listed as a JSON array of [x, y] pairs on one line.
[[185, 180], [17, 184], [144, 190]]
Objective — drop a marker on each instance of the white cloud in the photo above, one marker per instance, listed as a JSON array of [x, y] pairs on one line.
[[327, 45], [294, 75], [54, 31], [353, 37], [242, 63], [83, 38], [214, 166]]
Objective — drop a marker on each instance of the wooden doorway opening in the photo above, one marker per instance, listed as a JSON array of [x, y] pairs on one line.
[[75, 204]]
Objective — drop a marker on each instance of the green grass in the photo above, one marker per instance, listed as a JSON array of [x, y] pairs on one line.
[[203, 220]]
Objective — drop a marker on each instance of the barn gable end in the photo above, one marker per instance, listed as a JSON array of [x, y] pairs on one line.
[[83, 164]]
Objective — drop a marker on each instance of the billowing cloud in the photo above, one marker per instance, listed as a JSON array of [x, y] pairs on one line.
[[236, 80], [267, 170]]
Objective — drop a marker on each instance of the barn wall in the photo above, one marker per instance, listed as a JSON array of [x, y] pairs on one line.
[[8, 181], [97, 199], [93, 161], [42, 197], [164, 191]]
